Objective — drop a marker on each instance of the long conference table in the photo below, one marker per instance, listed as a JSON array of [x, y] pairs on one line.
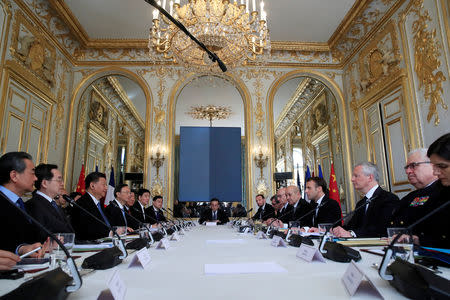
[[179, 272]]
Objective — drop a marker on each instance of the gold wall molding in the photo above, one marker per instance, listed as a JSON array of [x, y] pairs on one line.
[[5, 6], [61, 100], [427, 51], [75, 98], [31, 49], [337, 93], [50, 26]]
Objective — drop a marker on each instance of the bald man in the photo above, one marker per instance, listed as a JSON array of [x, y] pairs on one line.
[[299, 206]]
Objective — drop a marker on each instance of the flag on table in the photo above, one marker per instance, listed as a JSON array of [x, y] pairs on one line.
[[320, 172], [81, 185], [334, 190], [307, 176], [111, 185]]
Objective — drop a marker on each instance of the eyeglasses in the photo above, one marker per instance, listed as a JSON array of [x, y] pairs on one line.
[[57, 180], [415, 164]]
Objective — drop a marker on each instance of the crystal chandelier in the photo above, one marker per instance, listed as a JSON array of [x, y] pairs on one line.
[[236, 32], [209, 112]]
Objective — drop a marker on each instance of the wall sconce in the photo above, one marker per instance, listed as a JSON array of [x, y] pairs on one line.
[[261, 161], [157, 160]]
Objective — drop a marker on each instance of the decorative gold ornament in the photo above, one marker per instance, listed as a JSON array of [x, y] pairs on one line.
[[427, 63], [236, 34], [261, 162], [210, 112], [157, 161]]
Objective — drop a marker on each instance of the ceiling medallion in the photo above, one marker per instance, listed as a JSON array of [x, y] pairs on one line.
[[209, 112], [234, 31]]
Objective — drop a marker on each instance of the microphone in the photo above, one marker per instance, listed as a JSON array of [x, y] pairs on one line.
[[121, 244], [150, 217], [183, 224], [70, 262], [274, 219], [177, 23], [139, 222], [390, 250]]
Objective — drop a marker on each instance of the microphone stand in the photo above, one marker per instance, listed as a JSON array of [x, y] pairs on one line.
[[140, 224], [302, 217], [325, 236], [121, 244], [211, 55], [70, 262], [390, 250], [240, 218], [180, 222], [150, 217], [173, 218], [269, 226]]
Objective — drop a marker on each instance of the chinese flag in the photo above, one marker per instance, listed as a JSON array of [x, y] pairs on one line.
[[334, 191], [81, 187]]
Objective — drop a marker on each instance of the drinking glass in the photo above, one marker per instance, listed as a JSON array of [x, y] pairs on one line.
[[403, 247]]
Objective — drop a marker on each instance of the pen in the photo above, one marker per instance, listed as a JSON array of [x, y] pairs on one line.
[[31, 252]]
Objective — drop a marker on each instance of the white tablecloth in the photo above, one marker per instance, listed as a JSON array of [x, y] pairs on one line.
[[178, 273]]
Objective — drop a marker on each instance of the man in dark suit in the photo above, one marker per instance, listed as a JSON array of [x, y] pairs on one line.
[[416, 204], [154, 212], [299, 206], [86, 227], [115, 211], [42, 205], [265, 210], [17, 178], [138, 209], [326, 210], [373, 219], [214, 214]]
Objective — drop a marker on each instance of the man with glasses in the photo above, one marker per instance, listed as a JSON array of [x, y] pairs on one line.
[[42, 205], [115, 211], [420, 174]]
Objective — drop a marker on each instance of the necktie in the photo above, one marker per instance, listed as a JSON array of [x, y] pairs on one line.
[[214, 215], [366, 204], [124, 218], [143, 213], [56, 208], [157, 215], [21, 204], [103, 215], [314, 206]]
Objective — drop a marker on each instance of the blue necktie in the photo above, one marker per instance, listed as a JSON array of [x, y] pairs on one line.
[[157, 215], [125, 218], [21, 204], [103, 215]]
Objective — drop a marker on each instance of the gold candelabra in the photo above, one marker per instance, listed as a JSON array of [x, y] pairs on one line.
[[157, 161], [261, 162]]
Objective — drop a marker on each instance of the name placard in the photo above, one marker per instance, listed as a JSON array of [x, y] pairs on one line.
[[356, 281], [163, 244], [175, 237], [116, 288], [211, 223], [309, 253], [261, 235], [141, 259], [277, 241]]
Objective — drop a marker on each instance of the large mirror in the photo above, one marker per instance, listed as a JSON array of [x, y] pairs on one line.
[[307, 132], [110, 130]]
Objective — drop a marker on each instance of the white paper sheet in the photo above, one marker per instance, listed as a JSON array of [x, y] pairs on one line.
[[243, 268], [233, 241]]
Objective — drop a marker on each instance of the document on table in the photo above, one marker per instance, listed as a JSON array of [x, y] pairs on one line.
[[233, 241], [91, 247], [244, 268]]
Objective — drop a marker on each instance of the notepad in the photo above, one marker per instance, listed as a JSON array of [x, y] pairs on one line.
[[244, 268]]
